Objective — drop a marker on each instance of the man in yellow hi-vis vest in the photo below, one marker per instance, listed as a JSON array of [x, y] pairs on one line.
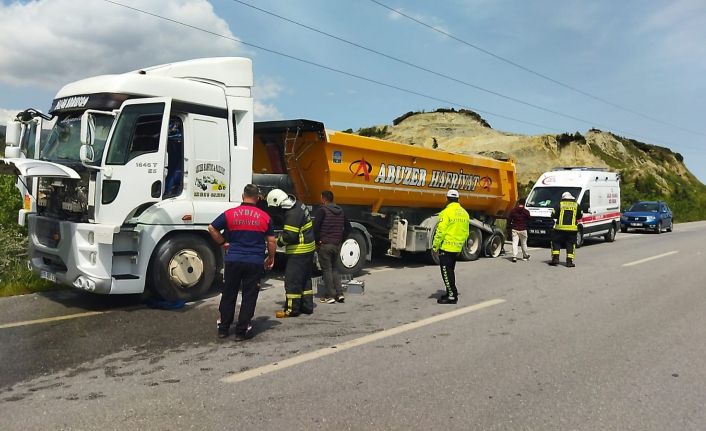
[[449, 239], [565, 214], [297, 238]]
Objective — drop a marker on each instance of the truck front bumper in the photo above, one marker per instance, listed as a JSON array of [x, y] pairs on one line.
[[72, 254]]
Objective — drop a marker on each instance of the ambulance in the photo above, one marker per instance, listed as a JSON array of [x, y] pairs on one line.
[[597, 191]]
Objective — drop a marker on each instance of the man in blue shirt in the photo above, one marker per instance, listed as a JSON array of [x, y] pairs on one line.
[[246, 229]]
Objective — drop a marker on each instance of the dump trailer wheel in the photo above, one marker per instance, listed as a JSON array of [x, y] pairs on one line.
[[472, 248], [182, 268], [353, 252], [493, 245]]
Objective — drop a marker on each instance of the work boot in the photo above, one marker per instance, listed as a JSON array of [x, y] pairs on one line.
[[446, 299], [570, 263], [555, 261]]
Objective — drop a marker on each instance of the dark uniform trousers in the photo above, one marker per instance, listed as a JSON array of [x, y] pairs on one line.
[[297, 284], [447, 261], [240, 277], [563, 239]]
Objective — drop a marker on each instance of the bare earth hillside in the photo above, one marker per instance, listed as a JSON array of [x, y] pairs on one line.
[[648, 171]]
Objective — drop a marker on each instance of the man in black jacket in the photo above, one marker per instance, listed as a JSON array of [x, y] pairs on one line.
[[331, 227], [298, 239]]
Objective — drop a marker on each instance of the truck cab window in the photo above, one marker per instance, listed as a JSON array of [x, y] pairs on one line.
[[174, 182], [137, 132]]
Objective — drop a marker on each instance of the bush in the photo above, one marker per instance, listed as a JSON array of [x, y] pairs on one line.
[[374, 132]]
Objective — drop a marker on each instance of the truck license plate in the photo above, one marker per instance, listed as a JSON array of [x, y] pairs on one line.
[[47, 276]]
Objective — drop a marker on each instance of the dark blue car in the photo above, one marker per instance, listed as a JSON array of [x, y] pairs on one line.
[[652, 216]]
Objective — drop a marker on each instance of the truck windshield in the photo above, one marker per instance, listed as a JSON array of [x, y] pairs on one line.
[[548, 197], [64, 141]]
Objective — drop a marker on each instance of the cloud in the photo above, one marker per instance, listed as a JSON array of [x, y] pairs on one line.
[[51, 42], [678, 32], [433, 21], [264, 91], [7, 114]]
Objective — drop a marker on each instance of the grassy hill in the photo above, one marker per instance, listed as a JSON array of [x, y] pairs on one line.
[[648, 172]]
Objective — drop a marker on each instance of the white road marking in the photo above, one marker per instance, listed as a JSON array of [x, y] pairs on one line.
[[647, 259], [296, 360], [52, 319]]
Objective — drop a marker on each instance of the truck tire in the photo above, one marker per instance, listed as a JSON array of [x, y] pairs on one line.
[[493, 244], [610, 236], [183, 267], [472, 248], [353, 252]]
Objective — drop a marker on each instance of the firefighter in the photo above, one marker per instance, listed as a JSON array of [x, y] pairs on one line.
[[298, 239], [565, 216]]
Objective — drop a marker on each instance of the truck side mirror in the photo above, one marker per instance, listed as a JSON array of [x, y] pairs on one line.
[[13, 132], [88, 128], [87, 154]]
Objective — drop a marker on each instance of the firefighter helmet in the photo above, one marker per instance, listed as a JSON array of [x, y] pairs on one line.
[[279, 198]]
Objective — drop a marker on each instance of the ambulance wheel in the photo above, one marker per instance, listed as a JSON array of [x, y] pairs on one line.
[[610, 236], [183, 267], [472, 248], [579, 238], [353, 253]]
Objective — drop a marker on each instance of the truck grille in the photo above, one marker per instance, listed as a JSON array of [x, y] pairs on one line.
[[47, 232]]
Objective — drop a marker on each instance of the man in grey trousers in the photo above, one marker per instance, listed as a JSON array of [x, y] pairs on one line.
[[331, 227]]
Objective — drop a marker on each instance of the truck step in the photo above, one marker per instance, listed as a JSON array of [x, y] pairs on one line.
[[126, 277]]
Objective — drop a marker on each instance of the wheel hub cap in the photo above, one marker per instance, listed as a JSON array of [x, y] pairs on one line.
[[186, 268], [350, 253]]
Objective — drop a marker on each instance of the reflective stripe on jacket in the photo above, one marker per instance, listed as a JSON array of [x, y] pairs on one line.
[[452, 229], [298, 231], [566, 215]]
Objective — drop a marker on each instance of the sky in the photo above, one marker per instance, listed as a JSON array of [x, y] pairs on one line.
[[634, 67]]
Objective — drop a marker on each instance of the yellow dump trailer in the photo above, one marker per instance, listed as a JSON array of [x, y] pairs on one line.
[[390, 190]]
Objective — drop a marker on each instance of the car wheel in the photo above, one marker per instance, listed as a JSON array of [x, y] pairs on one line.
[[623, 229], [659, 228], [671, 226]]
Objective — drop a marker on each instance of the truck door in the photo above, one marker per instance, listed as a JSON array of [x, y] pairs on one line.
[[133, 177]]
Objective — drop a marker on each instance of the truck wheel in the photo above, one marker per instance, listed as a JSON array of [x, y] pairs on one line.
[[610, 236], [472, 248], [182, 267], [494, 244], [579, 238], [353, 252]]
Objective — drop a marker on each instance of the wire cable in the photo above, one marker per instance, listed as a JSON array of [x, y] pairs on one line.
[[533, 72], [332, 69], [416, 66]]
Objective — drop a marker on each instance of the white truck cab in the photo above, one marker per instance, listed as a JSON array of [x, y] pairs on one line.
[[135, 168], [596, 190]]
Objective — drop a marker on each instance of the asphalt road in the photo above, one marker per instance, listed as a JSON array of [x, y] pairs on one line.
[[616, 343]]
